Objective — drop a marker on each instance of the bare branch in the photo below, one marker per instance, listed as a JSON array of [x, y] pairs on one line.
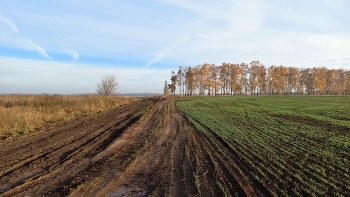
[[108, 85]]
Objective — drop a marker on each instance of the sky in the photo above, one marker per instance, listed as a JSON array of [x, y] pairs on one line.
[[65, 47]]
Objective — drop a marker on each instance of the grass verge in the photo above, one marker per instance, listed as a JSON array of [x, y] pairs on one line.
[[27, 114]]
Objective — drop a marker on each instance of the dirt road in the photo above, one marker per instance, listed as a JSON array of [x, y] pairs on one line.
[[141, 149]]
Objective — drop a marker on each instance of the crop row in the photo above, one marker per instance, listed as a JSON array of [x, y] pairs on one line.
[[286, 156]]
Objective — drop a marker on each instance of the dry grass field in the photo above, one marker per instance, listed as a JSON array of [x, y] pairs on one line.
[[26, 114]]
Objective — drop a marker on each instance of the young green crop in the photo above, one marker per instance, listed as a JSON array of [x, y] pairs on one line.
[[303, 138]]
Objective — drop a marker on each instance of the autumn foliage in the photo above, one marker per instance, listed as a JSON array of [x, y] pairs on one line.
[[256, 79]]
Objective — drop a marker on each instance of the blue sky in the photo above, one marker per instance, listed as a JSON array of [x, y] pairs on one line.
[[64, 47]]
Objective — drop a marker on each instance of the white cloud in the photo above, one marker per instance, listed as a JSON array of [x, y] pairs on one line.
[[37, 48], [164, 51], [334, 43], [10, 23], [72, 53], [35, 76], [217, 20]]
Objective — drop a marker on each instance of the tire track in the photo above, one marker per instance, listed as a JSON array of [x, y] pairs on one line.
[[46, 160]]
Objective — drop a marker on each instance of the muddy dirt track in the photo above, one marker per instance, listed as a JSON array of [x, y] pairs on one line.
[[141, 149]]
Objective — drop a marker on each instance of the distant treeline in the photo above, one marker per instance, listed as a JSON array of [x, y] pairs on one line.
[[141, 94], [256, 79]]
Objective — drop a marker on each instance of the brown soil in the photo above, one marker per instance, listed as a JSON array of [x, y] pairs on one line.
[[141, 149]]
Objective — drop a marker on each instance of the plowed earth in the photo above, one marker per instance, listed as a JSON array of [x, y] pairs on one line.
[[141, 149]]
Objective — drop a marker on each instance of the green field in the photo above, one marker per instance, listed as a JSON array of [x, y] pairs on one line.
[[289, 145]]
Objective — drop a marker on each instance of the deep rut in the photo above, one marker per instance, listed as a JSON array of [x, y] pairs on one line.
[[47, 161]]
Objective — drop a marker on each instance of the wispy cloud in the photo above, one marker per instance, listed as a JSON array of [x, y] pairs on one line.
[[9, 22], [40, 76], [164, 51], [72, 53], [27, 42], [36, 47], [224, 19]]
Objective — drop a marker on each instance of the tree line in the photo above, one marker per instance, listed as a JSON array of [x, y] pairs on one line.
[[256, 79]]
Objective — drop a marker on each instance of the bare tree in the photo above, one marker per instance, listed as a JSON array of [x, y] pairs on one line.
[[108, 85]]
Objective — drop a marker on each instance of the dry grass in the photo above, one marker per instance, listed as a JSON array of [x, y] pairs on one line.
[[26, 114]]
